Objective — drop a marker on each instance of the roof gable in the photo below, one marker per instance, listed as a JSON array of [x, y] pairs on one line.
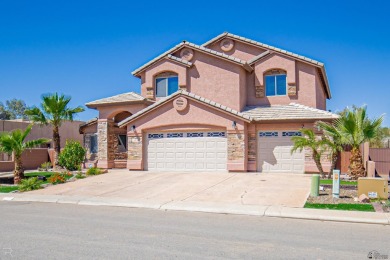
[[191, 96], [319, 65], [168, 55]]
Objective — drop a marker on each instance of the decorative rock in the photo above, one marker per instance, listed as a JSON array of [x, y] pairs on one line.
[[364, 199]]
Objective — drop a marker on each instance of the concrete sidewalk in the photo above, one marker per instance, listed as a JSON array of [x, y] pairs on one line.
[[208, 207]]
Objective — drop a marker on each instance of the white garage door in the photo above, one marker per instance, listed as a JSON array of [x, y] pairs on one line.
[[274, 153], [186, 151]]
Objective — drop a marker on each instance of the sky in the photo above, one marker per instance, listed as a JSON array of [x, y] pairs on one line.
[[87, 49]]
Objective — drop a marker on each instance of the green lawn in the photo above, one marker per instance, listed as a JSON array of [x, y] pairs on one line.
[[354, 207], [7, 189], [46, 174], [330, 182], [35, 174]]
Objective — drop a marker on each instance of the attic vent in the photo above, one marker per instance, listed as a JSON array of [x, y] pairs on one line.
[[187, 54], [227, 44]]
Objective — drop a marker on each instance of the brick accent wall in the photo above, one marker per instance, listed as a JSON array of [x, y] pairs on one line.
[[252, 147], [103, 140], [236, 146], [134, 148]]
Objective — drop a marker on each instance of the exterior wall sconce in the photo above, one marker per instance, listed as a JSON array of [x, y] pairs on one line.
[[133, 128], [234, 124]]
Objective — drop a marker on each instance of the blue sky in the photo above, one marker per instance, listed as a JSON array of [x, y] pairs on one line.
[[87, 49]]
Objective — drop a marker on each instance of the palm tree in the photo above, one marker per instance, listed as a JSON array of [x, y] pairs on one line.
[[332, 142], [309, 140], [355, 129], [54, 110], [14, 142]]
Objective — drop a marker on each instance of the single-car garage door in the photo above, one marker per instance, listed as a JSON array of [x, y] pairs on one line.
[[274, 153], [186, 151]]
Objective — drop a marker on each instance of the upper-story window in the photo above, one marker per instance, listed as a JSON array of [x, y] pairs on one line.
[[276, 83], [166, 84]]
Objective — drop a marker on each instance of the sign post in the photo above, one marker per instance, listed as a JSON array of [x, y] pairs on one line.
[[336, 184]]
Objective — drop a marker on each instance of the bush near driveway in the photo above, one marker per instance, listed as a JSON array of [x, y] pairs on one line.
[[30, 184], [94, 171], [72, 156]]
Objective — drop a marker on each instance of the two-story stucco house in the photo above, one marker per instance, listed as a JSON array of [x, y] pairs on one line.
[[230, 104]]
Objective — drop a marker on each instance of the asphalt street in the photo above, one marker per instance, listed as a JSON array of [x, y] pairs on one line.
[[64, 231]]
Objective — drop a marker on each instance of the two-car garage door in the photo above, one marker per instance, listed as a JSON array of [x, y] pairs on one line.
[[186, 151], [274, 153], [207, 151]]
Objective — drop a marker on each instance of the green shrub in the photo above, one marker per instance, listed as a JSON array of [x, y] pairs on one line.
[[72, 155], [56, 178], [80, 176], [30, 184], [94, 171], [45, 166]]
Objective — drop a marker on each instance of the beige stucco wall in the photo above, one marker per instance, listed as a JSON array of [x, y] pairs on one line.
[[68, 130], [320, 94], [31, 159], [218, 80]]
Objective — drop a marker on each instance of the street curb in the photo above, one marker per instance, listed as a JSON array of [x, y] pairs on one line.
[[209, 207]]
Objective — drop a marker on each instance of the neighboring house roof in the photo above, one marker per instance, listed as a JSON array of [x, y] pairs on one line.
[[192, 96], [88, 123], [292, 111], [124, 98], [274, 49], [203, 49]]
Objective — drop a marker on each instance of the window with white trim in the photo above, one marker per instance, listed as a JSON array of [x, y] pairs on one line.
[[166, 85], [276, 83]]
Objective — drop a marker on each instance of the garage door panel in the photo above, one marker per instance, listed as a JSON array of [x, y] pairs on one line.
[[179, 152], [274, 153]]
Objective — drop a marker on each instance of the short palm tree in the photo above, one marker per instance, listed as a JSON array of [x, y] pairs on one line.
[[14, 142], [332, 143], [54, 110], [355, 129], [311, 141]]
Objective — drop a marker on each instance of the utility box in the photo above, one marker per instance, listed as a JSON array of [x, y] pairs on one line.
[[374, 188]]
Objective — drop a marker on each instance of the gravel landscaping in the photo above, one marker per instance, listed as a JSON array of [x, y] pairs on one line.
[[347, 195]]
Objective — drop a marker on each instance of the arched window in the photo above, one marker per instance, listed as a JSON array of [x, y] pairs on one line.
[[275, 83], [167, 83]]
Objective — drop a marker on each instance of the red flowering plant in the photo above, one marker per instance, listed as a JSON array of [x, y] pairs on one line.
[[57, 178]]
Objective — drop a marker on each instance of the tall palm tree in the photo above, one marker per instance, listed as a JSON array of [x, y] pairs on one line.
[[54, 110], [311, 141], [332, 142], [14, 142], [355, 129]]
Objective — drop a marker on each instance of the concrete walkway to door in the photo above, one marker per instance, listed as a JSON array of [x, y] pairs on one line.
[[180, 188]]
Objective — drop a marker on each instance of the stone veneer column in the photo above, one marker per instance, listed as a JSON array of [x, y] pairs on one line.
[[105, 142], [237, 147], [134, 152], [252, 151]]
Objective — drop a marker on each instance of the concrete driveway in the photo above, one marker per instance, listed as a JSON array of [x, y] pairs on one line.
[[255, 189]]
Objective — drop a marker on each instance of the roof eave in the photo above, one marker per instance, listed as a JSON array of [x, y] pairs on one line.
[[95, 106]]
